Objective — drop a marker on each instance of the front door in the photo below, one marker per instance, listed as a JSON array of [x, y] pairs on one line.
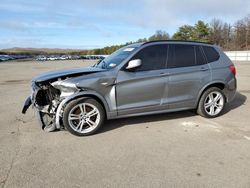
[[142, 89]]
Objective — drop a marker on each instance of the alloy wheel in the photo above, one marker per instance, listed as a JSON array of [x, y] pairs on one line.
[[84, 117], [214, 103]]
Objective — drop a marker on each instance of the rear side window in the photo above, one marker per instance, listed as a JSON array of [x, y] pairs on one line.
[[153, 57], [181, 55], [211, 54]]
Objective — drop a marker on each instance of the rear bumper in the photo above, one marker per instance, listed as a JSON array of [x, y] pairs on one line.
[[231, 89]]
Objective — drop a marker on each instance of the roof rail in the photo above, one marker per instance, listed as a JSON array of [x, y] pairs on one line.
[[187, 41]]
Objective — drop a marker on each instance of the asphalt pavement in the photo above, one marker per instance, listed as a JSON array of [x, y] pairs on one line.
[[169, 150]]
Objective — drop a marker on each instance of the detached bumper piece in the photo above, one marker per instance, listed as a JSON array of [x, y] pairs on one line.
[[26, 105]]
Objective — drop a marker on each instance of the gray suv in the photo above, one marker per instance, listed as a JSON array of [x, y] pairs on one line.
[[138, 79]]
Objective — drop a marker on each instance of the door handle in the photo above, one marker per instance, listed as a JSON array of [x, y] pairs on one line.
[[204, 69], [164, 73]]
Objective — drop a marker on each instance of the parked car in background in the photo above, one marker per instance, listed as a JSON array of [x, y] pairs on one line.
[[41, 58], [6, 57], [139, 79], [63, 57], [68, 57]]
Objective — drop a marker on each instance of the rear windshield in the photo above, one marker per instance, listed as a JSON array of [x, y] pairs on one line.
[[211, 54]]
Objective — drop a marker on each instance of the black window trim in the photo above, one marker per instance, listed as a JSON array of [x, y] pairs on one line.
[[202, 53], [200, 46]]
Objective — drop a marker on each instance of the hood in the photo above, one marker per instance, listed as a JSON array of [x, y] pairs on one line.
[[65, 73]]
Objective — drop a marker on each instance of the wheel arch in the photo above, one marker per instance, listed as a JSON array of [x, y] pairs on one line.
[[219, 84], [90, 94]]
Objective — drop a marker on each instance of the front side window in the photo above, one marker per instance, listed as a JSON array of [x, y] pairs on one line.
[[152, 57]]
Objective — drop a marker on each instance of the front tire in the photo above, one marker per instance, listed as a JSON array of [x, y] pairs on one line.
[[211, 103], [83, 116]]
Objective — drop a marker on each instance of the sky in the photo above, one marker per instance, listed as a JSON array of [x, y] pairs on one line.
[[87, 24]]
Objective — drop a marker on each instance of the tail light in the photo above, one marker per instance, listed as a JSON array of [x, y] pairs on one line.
[[232, 69]]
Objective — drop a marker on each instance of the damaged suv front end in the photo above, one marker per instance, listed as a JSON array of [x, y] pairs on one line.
[[48, 91]]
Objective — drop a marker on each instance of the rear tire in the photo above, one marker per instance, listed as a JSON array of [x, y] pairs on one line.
[[211, 103], [83, 117]]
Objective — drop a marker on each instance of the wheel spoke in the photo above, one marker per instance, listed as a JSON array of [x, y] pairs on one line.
[[74, 117], [207, 105], [217, 98], [92, 113], [79, 125], [211, 97], [219, 106], [82, 110], [80, 129], [90, 122], [84, 107], [212, 110]]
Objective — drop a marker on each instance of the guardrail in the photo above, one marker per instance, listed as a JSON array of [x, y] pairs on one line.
[[238, 55]]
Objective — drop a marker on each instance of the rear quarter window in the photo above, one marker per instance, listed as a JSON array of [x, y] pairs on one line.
[[211, 54]]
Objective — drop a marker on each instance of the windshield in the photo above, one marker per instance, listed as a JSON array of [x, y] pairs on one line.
[[116, 58]]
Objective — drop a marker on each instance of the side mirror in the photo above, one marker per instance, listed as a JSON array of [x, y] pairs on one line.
[[133, 64]]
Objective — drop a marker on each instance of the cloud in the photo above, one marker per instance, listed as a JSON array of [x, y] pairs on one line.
[[154, 14], [172, 13], [126, 20], [141, 13], [21, 6], [19, 42], [12, 25]]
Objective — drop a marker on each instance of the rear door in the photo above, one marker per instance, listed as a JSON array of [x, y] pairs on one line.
[[142, 89], [188, 73]]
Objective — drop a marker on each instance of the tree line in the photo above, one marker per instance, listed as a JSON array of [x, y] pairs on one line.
[[229, 36]]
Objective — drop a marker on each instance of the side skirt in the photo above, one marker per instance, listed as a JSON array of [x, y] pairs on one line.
[[150, 113]]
